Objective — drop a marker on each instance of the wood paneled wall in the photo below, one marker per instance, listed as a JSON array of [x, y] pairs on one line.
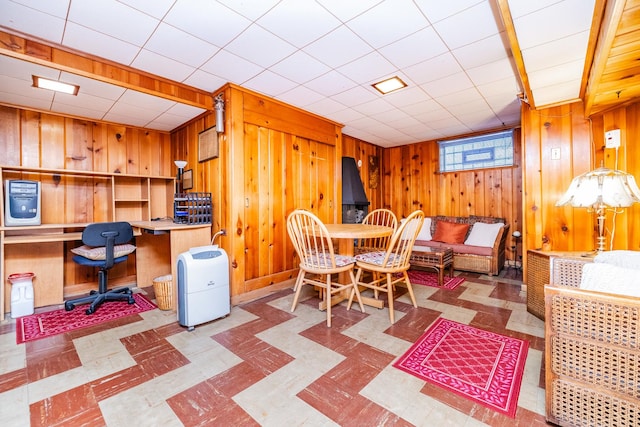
[[581, 144], [40, 140], [411, 180], [273, 159]]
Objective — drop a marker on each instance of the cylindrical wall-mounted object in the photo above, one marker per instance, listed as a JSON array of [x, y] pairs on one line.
[[219, 107]]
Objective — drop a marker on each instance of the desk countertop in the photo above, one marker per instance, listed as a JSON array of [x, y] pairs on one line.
[[164, 225]]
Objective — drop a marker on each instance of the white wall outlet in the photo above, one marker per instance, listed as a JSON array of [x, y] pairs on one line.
[[612, 138], [555, 154]]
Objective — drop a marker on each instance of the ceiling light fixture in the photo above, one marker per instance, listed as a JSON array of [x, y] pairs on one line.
[[55, 85], [389, 85]]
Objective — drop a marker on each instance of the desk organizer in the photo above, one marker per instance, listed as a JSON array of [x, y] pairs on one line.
[[192, 208]]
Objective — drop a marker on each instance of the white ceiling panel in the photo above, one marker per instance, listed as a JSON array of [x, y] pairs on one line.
[[318, 55]]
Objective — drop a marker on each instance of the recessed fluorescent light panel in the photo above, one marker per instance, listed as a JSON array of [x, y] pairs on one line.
[[389, 85], [55, 85]]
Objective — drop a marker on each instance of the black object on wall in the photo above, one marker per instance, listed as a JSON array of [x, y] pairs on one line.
[[355, 205]]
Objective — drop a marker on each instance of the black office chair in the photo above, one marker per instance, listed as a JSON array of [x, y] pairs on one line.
[[100, 243]]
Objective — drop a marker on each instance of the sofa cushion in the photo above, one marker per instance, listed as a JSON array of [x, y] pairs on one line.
[[425, 231], [610, 278], [450, 232], [483, 234]]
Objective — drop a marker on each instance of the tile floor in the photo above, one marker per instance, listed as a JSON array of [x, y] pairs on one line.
[[264, 365]]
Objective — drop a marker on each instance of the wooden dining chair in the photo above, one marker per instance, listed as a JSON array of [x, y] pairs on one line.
[[383, 217], [389, 267], [318, 260]]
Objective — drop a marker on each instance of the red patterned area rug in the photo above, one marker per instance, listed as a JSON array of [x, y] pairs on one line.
[[428, 278], [483, 366], [42, 325]]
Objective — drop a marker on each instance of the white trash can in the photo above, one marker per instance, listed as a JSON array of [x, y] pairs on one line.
[[21, 294]]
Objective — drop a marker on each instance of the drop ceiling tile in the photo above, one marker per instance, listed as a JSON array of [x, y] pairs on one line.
[[325, 107], [330, 84], [478, 23], [184, 111], [165, 122], [252, 9], [23, 89], [506, 86], [90, 41], [46, 23], [270, 83], [464, 102], [205, 81], [497, 70], [556, 52], [370, 68], [23, 70], [82, 108], [424, 107], [417, 47], [399, 19], [298, 21], [351, 47], [356, 95], [551, 94], [113, 19], [300, 67], [482, 52], [439, 10], [231, 67], [376, 106], [93, 87], [559, 20], [157, 8], [162, 66], [519, 8], [559, 74], [84, 100], [301, 96], [152, 104], [12, 98], [452, 83], [407, 96], [262, 47], [347, 115], [433, 69], [347, 10], [209, 20], [173, 43]]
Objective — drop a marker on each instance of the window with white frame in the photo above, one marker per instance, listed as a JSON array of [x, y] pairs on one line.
[[477, 152]]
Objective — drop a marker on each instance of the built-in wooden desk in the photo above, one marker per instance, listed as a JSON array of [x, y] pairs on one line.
[[159, 244]]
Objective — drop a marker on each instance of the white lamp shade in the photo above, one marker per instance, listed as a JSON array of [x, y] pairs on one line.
[[180, 163], [612, 188]]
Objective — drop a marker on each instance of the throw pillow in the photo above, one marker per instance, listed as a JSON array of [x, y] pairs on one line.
[[483, 234], [450, 232], [610, 278], [99, 253], [425, 231]]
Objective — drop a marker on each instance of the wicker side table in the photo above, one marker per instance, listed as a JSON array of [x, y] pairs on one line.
[[438, 259], [538, 275]]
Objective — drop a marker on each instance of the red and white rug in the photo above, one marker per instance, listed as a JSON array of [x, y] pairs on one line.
[[483, 366], [49, 323], [428, 278]]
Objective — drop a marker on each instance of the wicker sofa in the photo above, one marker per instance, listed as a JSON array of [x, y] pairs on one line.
[[487, 259], [592, 352]]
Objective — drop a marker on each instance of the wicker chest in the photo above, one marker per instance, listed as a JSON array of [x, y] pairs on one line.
[[538, 275]]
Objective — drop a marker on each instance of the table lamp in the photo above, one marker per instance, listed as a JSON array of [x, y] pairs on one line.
[[180, 164], [600, 190]]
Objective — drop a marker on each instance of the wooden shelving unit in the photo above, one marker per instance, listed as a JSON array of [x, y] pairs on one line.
[[71, 199]]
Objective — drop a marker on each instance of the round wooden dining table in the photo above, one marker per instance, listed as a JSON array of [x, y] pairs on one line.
[[346, 234]]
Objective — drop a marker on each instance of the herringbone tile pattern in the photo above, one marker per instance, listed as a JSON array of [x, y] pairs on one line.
[[264, 365]]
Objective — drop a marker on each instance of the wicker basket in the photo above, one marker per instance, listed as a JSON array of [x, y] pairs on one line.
[[163, 288]]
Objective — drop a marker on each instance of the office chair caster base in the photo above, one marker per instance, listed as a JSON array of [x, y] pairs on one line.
[[68, 306]]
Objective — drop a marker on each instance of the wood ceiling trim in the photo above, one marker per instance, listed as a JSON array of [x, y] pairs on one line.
[[510, 30], [84, 65], [612, 15]]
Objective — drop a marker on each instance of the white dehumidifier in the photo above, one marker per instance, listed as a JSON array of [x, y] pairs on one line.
[[203, 285]]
